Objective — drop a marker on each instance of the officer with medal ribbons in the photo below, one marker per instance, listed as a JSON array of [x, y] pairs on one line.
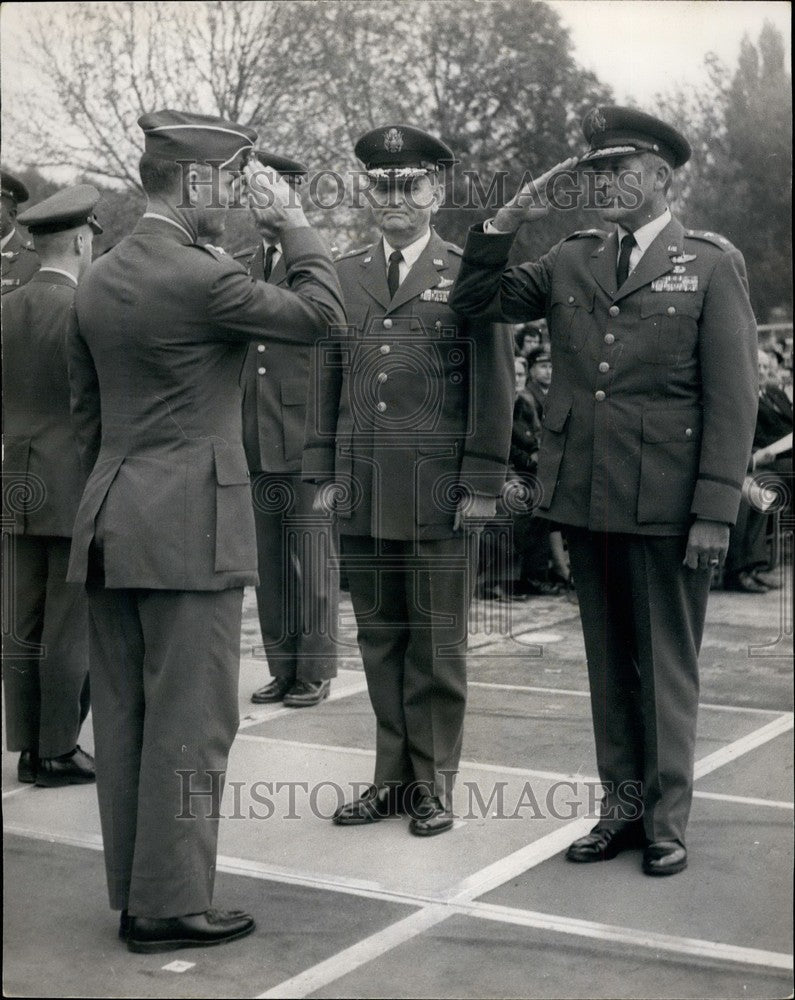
[[408, 438], [164, 537], [298, 592], [18, 260], [647, 433]]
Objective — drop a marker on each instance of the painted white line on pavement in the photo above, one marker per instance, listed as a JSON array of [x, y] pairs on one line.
[[698, 948], [744, 745], [744, 800], [364, 951], [16, 791]]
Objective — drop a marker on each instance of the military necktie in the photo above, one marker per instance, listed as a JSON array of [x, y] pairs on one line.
[[393, 274], [622, 271], [269, 255]]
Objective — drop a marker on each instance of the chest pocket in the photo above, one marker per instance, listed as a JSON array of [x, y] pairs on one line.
[[668, 331], [571, 318]]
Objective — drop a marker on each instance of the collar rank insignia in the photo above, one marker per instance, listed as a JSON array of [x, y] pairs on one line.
[[438, 261], [367, 260], [683, 258], [393, 140]]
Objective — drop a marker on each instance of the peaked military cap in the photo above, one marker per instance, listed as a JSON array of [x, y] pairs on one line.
[[401, 151], [13, 188], [291, 170], [67, 209], [615, 131], [537, 355], [184, 136]]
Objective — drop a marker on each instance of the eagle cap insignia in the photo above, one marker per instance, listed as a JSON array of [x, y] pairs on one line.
[[393, 140], [597, 120]]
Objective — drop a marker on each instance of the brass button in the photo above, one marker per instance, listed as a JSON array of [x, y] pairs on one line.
[[382, 377], [671, 310], [599, 395], [613, 311], [689, 432], [261, 371], [571, 299], [387, 324], [260, 348], [381, 407], [385, 348], [610, 338], [604, 367]]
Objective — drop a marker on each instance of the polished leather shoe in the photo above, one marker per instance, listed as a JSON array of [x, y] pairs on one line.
[[75, 768], [746, 583], [27, 767], [664, 857], [305, 694], [603, 844], [275, 691], [375, 803], [196, 930], [430, 817]]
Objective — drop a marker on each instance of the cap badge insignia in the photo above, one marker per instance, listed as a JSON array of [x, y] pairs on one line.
[[393, 140], [597, 120]]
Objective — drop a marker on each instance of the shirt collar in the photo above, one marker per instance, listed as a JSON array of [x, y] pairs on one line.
[[412, 251], [59, 270], [646, 235], [171, 222], [7, 239], [276, 246]]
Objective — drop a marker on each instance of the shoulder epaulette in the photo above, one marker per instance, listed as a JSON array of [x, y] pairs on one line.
[[352, 253], [709, 237], [581, 233], [245, 252], [218, 252]]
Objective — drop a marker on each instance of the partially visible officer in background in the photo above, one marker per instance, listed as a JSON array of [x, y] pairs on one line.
[[18, 260], [647, 433], [164, 536], [45, 652], [297, 558], [411, 438]]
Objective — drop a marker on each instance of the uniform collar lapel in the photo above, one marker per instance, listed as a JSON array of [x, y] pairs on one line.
[[372, 274], [657, 259], [154, 225], [603, 264], [279, 272], [425, 273]]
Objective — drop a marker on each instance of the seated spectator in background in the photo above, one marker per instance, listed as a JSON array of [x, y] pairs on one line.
[[748, 556]]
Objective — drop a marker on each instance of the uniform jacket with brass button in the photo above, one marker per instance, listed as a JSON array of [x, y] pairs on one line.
[[155, 361], [18, 262], [41, 464], [410, 403], [650, 416], [274, 382]]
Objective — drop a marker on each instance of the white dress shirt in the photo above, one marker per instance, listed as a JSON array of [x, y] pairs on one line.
[[644, 237], [410, 254]]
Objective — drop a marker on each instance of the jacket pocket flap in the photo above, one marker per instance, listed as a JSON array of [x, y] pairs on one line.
[[671, 425], [574, 298], [661, 305], [556, 412], [293, 391], [230, 465]]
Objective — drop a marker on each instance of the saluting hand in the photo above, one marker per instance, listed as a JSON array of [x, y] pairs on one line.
[[274, 203], [531, 200]]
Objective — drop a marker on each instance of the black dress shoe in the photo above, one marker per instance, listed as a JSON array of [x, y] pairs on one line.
[[305, 694], [746, 583], [27, 767], [197, 930], [430, 817], [272, 692], [603, 844], [375, 803], [75, 768], [664, 857]]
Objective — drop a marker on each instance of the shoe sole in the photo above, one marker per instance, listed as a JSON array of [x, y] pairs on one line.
[[152, 947], [49, 783], [430, 833], [305, 704], [27, 779]]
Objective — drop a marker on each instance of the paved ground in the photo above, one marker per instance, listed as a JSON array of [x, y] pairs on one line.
[[489, 910]]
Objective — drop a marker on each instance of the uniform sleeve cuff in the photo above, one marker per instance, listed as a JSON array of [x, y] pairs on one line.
[[716, 501]]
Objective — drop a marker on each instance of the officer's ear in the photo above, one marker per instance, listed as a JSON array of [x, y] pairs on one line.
[[438, 193], [664, 175], [191, 179]]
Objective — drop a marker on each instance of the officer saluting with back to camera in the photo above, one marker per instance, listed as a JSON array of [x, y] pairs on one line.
[[412, 428], [647, 433]]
